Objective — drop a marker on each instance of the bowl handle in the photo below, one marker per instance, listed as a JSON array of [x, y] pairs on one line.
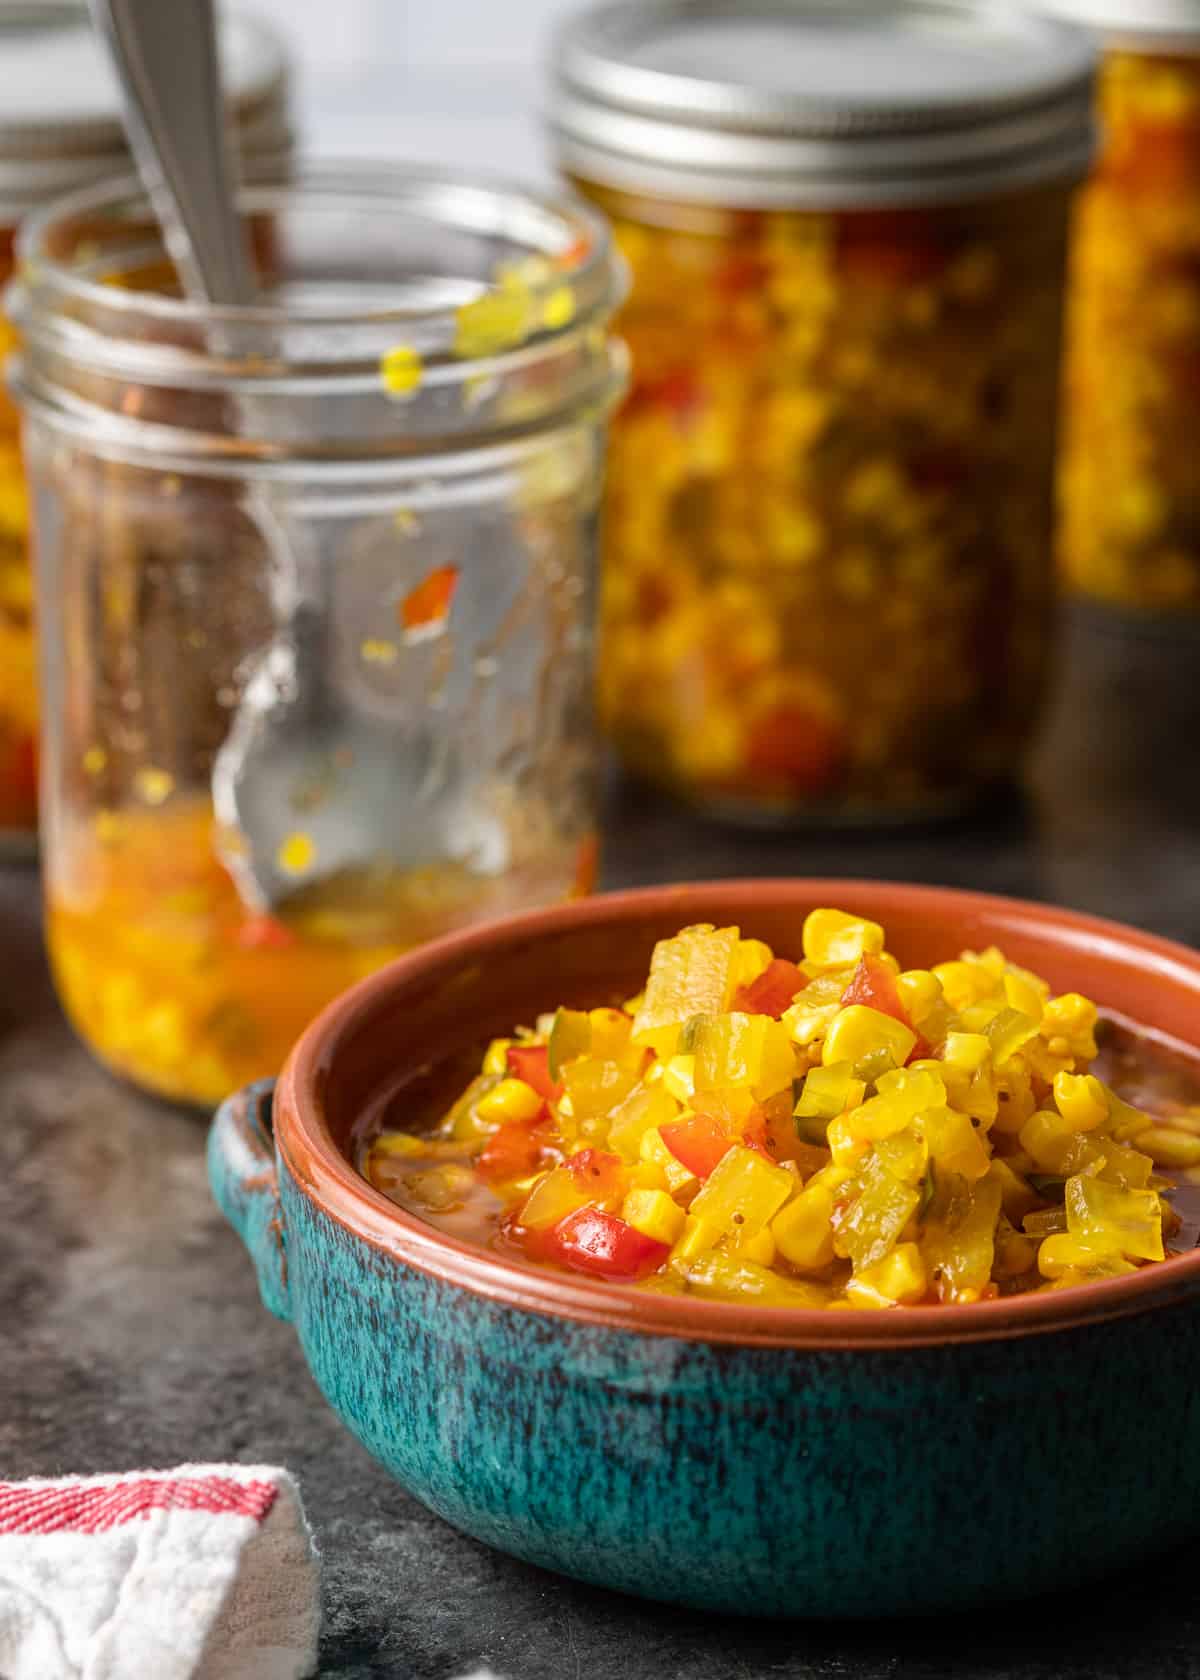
[[245, 1182]]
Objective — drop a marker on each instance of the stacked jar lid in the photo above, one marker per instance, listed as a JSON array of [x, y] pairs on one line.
[[60, 115]]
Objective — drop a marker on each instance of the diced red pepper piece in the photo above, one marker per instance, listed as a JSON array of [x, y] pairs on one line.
[[773, 991], [513, 1151], [264, 933], [531, 1062], [598, 1172], [699, 1142], [874, 985], [429, 603], [799, 748], [599, 1243]]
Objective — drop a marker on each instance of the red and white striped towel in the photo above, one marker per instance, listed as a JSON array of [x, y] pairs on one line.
[[202, 1573]]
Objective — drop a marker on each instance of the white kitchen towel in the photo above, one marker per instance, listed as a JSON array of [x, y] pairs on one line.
[[206, 1572]]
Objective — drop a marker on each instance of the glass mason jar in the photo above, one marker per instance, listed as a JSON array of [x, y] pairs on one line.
[[315, 589], [60, 128], [1131, 464], [828, 574]]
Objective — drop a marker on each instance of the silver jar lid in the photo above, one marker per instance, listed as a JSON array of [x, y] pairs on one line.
[[1172, 24], [821, 103], [60, 109]]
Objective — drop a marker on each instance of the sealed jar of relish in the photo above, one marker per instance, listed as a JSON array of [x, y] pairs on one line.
[[1131, 464], [828, 578], [60, 128]]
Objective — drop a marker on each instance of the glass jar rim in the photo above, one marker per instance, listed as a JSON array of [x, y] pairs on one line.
[[477, 316], [585, 253]]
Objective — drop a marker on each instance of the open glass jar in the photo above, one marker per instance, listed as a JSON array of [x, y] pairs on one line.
[[60, 128], [828, 572], [328, 562], [1131, 462]]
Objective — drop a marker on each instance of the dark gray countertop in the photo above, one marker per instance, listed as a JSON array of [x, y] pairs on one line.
[[132, 1334]]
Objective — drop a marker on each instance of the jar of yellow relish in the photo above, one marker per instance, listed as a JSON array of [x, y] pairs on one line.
[[828, 572], [315, 588], [1130, 484], [60, 128]]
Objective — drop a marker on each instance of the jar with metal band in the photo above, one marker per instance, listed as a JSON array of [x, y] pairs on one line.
[[1131, 461], [828, 569], [60, 128]]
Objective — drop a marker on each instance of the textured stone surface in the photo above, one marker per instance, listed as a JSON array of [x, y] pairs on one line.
[[131, 1331]]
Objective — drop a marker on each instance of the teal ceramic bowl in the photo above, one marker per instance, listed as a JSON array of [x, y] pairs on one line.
[[747, 1460]]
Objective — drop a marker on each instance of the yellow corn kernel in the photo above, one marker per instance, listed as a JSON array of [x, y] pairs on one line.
[[1024, 994], [696, 1238], [1081, 1101], [1168, 1147], [834, 939], [967, 1052], [611, 1031], [898, 1279], [963, 983], [750, 959], [919, 992], [653, 1149], [743, 1192], [554, 1195], [802, 1230], [511, 1100], [654, 1214], [806, 1022], [1074, 1018], [846, 1147], [828, 1091], [1045, 1137], [496, 1059], [679, 1078], [860, 1031]]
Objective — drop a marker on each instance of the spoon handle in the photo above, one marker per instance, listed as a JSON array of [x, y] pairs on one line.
[[165, 53]]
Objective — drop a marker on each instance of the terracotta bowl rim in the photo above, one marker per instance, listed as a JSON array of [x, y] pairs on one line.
[[307, 1148]]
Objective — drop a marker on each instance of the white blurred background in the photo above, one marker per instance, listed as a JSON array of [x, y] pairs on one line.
[[451, 81]]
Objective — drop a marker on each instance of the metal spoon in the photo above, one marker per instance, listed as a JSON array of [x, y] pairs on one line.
[[299, 757]]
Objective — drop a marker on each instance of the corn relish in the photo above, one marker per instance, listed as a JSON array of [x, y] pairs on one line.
[[834, 1132], [828, 529], [18, 676], [1130, 489], [828, 534]]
